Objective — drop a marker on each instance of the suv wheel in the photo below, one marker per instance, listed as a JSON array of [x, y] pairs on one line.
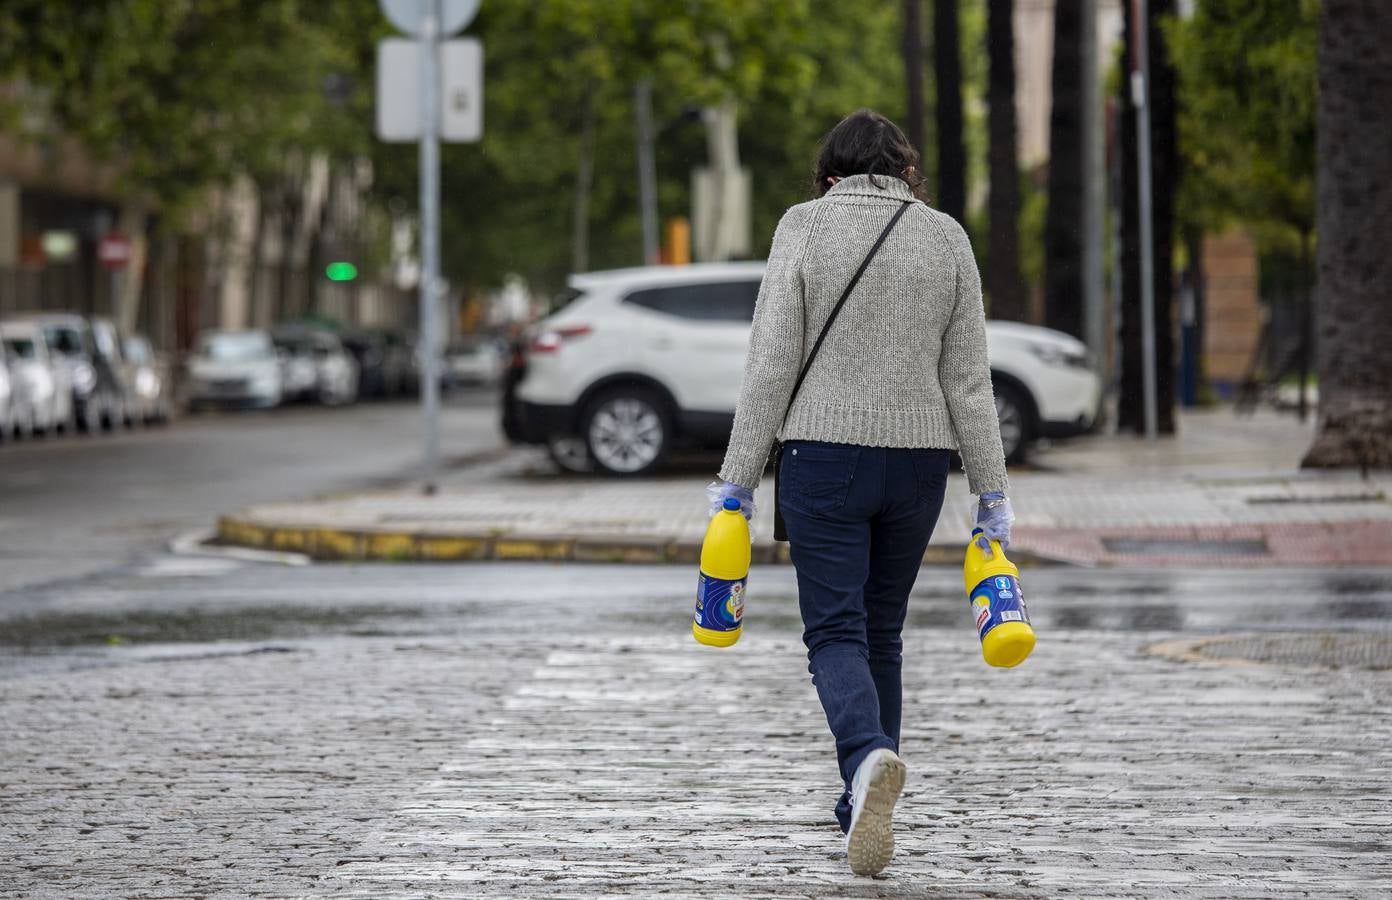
[[627, 431], [1015, 413]]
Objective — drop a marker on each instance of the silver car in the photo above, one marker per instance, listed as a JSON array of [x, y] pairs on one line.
[[148, 377], [7, 396], [97, 389], [234, 368], [42, 379], [316, 366]]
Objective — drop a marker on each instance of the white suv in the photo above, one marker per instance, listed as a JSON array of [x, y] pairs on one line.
[[637, 361]]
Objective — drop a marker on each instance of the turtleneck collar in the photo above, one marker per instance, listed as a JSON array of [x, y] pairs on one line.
[[887, 186]]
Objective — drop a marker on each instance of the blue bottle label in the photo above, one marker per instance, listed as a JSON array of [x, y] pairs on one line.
[[996, 600], [719, 603]]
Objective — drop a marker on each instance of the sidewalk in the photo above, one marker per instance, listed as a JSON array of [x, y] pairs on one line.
[[1227, 490]]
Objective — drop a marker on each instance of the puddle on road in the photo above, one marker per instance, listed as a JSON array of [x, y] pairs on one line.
[[58, 630]]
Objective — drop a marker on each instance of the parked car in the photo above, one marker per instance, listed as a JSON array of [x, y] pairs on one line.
[[298, 372], [637, 361], [403, 366], [8, 415], [369, 349], [42, 378], [234, 368], [317, 366], [148, 375], [98, 390], [110, 349], [474, 360]]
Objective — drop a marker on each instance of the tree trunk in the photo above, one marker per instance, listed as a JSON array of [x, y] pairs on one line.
[[258, 313], [584, 180], [1165, 182], [1164, 171], [913, 72], [292, 206], [1005, 287], [134, 224], [1354, 209], [1130, 409], [952, 155], [1063, 228]]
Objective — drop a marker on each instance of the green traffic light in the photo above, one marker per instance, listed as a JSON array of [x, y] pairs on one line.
[[341, 271]]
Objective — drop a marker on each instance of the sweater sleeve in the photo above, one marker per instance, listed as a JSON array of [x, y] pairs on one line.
[[775, 352], [964, 371]]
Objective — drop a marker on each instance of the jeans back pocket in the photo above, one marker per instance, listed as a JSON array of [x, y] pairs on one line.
[[817, 476], [930, 472]]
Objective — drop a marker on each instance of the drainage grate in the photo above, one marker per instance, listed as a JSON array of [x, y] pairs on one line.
[[1329, 650], [1184, 547]]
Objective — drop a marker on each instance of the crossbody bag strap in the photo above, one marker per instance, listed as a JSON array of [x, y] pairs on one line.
[[797, 385]]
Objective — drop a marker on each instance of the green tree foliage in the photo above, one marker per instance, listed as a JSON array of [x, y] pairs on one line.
[[185, 94], [181, 94], [1247, 72], [509, 201]]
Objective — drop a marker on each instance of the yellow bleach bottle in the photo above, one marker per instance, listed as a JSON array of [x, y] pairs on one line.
[[724, 571], [1002, 622]]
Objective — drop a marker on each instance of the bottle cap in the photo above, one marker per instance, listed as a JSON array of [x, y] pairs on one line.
[[732, 504], [976, 531]]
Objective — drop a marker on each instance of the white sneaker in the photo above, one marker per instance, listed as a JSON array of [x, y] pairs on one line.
[[875, 789]]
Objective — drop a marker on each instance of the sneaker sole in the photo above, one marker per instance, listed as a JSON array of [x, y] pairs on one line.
[[870, 844]]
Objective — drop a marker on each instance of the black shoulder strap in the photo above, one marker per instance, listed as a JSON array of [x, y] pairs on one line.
[[903, 208]]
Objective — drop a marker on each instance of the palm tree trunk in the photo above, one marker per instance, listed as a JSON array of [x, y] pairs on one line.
[[913, 72], [1354, 209], [952, 154], [1063, 228], [1164, 133], [1004, 285], [1164, 183]]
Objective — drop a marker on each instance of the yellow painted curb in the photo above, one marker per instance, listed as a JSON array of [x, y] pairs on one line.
[[348, 544], [433, 548], [532, 549]]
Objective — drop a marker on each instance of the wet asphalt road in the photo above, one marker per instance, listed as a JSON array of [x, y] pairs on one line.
[[80, 505], [162, 605]]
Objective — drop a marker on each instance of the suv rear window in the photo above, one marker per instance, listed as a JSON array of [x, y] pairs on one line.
[[719, 301]]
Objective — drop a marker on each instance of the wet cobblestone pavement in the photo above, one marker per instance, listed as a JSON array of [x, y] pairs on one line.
[[543, 731]]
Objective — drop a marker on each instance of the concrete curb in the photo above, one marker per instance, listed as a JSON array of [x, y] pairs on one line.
[[331, 544]]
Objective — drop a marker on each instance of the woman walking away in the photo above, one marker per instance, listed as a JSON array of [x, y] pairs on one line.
[[868, 360]]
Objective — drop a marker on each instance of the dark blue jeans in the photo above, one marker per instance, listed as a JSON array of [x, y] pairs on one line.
[[858, 521]]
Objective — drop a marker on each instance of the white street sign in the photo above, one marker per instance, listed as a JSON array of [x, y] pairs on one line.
[[461, 91], [399, 90], [409, 15]]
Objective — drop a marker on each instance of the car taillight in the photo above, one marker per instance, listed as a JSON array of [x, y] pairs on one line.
[[550, 341]]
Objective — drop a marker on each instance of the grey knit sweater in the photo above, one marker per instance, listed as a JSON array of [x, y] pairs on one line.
[[905, 363]]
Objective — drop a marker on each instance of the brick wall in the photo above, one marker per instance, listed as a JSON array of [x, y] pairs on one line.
[[1232, 315]]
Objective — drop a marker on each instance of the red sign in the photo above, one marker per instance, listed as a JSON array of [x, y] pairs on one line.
[[114, 251]]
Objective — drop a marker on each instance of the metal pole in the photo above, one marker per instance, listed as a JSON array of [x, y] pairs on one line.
[[430, 241], [1139, 93], [647, 170]]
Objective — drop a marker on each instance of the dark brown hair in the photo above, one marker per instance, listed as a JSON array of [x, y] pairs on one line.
[[866, 143]]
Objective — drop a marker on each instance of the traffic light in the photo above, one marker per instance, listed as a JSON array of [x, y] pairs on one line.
[[341, 271]]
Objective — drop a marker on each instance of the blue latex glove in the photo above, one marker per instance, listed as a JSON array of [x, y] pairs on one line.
[[718, 491], [994, 516]]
